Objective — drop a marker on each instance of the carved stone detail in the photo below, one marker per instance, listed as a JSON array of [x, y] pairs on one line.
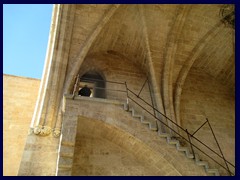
[[56, 132], [42, 130], [45, 131], [227, 13]]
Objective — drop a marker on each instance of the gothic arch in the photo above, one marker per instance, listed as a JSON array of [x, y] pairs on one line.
[[171, 48], [85, 49], [97, 80], [188, 64]]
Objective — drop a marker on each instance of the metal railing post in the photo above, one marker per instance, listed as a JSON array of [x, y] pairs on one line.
[[75, 86], [219, 147], [161, 120], [190, 143], [193, 145], [142, 88], [199, 128], [151, 98]]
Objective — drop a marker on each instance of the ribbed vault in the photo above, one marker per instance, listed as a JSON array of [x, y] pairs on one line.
[[165, 40], [168, 42]]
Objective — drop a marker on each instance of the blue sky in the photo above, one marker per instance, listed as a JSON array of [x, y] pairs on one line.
[[25, 37]]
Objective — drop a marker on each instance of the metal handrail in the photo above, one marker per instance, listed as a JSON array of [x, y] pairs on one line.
[[182, 136], [179, 126], [154, 115], [211, 150], [156, 110], [110, 89], [93, 80]]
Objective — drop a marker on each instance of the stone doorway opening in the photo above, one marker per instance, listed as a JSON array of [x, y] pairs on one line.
[[95, 82]]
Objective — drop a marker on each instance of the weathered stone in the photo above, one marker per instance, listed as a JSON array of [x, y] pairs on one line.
[[185, 52]]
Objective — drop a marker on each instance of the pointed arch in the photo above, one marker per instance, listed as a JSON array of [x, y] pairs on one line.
[[84, 50], [173, 36], [97, 82], [188, 64]]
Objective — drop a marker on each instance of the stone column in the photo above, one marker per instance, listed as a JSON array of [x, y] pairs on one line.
[[50, 94], [41, 153]]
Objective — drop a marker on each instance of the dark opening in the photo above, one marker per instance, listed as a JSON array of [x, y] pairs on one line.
[[95, 82], [85, 91]]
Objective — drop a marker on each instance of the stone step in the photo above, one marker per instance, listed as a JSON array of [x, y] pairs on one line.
[[153, 126]]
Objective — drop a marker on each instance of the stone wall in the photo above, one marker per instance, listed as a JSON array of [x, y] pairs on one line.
[[106, 121], [202, 98], [102, 149], [97, 126], [40, 156], [19, 98], [115, 67]]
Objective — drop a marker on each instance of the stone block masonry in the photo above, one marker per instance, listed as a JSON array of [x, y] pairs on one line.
[[19, 98], [106, 133]]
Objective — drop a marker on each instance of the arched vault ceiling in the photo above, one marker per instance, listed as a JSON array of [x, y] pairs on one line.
[[200, 20], [159, 20], [86, 19], [123, 33], [133, 30], [217, 58]]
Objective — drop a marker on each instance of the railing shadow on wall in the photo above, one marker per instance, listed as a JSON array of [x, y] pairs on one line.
[[120, 91]]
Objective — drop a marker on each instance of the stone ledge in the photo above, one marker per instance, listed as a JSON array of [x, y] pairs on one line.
[[69, 96]]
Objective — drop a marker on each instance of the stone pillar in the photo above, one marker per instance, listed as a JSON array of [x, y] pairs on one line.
[[67, 143], [48, 107], [40, 153]]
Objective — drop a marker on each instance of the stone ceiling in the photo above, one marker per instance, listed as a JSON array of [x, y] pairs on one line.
[[171, 35]]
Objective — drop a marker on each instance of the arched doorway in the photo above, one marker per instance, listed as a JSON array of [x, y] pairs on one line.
[[95, 82]]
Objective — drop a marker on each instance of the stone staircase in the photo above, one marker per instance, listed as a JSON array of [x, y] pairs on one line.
[[152, 124]]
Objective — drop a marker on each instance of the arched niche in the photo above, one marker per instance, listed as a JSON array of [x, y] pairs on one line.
[[96, 82]]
